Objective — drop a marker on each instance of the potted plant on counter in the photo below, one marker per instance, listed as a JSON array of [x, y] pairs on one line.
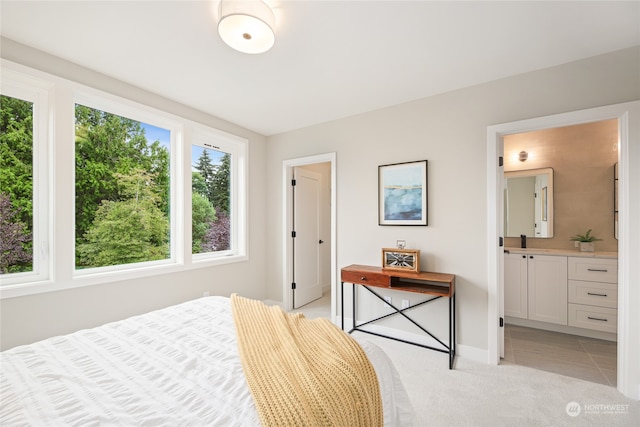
[[586, 241]]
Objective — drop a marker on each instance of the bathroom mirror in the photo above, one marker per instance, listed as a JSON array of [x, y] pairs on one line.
[[528, 203]]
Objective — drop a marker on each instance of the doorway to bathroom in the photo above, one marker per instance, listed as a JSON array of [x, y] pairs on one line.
[[559, 183], [627, 116]]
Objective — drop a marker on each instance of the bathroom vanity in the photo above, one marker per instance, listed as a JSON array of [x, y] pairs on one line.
[[560, 290]]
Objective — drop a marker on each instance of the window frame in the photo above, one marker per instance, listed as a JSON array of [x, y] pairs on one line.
[[62, 95], [36, 91], [227, 143], [129, 110]]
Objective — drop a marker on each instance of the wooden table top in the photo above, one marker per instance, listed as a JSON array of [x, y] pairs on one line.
[[427, 282]]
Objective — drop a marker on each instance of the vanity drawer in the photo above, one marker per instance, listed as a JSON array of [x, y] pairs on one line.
[[593, 293], [364, 277], [596, 318], [593, 269]]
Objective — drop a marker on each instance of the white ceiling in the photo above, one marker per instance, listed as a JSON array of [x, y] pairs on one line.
[[331, 59]]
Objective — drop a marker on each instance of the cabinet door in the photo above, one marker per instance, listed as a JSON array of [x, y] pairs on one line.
[[547, 288], [515, 285]]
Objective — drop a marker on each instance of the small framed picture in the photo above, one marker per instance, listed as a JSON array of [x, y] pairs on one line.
[[401, 259]]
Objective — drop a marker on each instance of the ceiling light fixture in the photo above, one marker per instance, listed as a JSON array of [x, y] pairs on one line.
[[247, 26]]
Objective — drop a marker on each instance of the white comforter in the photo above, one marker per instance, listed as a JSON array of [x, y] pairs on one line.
[[172, 367]]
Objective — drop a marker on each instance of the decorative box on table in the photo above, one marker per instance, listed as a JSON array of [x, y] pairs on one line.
[[401, 259]]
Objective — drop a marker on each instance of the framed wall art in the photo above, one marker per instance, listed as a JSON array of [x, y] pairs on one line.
[[402, 193], [401, 259]]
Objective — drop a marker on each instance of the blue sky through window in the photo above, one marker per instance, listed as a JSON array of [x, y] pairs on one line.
[[196, 152], [154, 133]]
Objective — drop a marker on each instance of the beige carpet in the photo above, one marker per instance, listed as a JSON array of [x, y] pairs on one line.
[[475, 394]]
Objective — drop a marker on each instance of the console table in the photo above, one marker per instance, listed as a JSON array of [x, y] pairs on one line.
[[436, 284]]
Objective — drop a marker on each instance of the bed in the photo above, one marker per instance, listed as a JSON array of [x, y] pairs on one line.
[[176, 366]]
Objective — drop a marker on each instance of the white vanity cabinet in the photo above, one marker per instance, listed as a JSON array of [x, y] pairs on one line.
[[535, 287], [593, 293], [547, 288], [562, 291], [515, 285]]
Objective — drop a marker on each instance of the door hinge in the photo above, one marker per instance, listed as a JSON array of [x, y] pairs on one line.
[[500, 161], [293, 182], [293, 285], [500, 241], [501, 322], [293, 234]]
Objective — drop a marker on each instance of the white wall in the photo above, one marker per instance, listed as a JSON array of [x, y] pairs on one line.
[[30, 318], [448, 130]]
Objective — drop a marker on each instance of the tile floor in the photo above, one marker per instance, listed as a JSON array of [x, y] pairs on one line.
[[574, 356]]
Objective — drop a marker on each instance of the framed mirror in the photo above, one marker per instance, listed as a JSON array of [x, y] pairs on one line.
[[528, 203]]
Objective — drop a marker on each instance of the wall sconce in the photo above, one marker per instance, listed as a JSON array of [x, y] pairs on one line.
[[523, 156], [247, 26]]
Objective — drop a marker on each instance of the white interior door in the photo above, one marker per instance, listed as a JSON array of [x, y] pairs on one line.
[[307, 240]]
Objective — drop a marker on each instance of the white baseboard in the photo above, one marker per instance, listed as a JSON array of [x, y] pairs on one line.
[[464, 351]]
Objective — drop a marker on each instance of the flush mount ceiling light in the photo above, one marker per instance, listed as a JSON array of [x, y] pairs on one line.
[[247, 26]]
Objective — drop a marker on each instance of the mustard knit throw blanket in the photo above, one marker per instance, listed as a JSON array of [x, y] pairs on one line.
[[304, 372]]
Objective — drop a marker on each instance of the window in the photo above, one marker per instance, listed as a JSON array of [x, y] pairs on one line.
[[215, 199], [122, 182], [122, 201], [16, 185], [211, 226], [24, 241]]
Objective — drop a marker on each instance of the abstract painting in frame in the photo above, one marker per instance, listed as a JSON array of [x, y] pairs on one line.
[[402, 193]]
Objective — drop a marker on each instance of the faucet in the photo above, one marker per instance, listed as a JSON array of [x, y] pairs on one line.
[[523, 240]]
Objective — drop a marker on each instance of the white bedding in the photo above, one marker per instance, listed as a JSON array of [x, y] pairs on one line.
[[176, 366]]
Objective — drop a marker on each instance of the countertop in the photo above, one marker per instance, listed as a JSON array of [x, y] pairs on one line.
[[565, 252]]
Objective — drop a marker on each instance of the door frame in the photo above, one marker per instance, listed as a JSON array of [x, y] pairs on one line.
[[628, 115], [287, 223]]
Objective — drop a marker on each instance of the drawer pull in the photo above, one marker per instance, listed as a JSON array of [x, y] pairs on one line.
[[596, 295], [601, 270], [597, 318], [363, 278]]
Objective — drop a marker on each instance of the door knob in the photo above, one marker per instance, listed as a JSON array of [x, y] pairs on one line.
[[320, 241]]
